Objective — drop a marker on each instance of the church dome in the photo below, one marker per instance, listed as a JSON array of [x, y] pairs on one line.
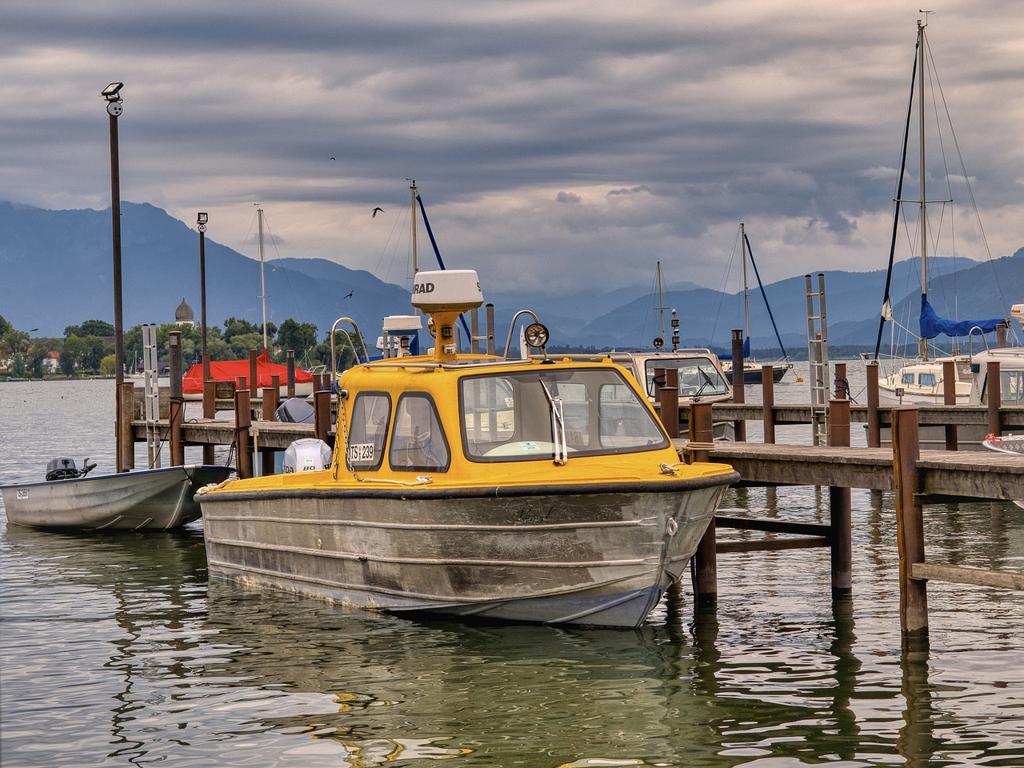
[[184, 313]]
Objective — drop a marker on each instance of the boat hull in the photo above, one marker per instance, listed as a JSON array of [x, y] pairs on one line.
[[152, 499], [754, 375], [597, 557]]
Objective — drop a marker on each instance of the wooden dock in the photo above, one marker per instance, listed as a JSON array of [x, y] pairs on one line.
[[916, 477]]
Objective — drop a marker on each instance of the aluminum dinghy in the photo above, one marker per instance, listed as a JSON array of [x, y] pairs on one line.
[[149, 499]]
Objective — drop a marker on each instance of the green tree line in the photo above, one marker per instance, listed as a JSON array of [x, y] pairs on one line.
[[88, 348]]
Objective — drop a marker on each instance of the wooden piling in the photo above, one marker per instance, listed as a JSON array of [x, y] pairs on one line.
[[177, 403], [874, 422], [668, 401], [268, 407], [243, 420], [768, 402], [1001, 335], [322, 414], [209, 412], [840, 523], [125, 453], [840, 383], [949, 398], [738, 392], [909, 523], [253, 375], [290, 362], [705, 568], [994, 397]]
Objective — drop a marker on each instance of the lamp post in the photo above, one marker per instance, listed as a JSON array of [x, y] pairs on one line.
[[202, 219], [112, 93]]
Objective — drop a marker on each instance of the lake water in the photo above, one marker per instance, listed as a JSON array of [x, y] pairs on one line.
[[115, 650]]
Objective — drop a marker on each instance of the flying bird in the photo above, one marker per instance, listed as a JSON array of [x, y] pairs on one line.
[[376, 210], [333, 157], [349, 294]]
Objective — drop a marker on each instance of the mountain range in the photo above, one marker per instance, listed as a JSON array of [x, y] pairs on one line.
[[56, 272]]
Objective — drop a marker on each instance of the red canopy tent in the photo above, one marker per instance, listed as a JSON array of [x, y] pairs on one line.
[[233, 370]]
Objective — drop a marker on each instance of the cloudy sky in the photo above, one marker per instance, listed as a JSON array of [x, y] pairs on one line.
[[557, 145]]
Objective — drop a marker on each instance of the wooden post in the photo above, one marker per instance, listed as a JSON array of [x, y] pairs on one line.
[[267, 408], [993, 391], [274, 399], [840, 525], [840, 383], [209, 412], [768, 402], [177, 409], [949, 398], [705, 571], [738, 392], [290, 361], [125, 432], [322, 414], [253, 374], [243, 420], [909, 525], [1001, 335], [668, 401], [874, 422]]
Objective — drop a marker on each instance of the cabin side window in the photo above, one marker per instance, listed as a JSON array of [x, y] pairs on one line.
[[908, 379], [368, 430], [926, 379], [418, 442]]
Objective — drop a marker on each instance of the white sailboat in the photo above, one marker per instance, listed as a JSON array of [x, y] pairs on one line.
[[921, 381]]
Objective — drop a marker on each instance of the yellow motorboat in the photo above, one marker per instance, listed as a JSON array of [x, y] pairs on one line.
[[541, 490]]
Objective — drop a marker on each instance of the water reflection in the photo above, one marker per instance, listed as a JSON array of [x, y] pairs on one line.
[[117, 649]]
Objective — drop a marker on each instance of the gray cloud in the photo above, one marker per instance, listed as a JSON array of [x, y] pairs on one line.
[[669, 121]]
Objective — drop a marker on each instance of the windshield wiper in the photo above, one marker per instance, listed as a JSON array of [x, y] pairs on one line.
[[557, 426], [707, 382]]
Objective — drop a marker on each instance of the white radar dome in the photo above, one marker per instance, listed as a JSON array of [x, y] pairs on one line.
[[450, 290]]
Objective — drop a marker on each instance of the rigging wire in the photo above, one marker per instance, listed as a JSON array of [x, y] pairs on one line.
[[722, 287], [967, 181]]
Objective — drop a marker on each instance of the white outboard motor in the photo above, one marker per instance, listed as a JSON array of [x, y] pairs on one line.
[[306, 455]]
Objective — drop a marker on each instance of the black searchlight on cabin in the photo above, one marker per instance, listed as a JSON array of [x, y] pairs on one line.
[[536, 335], [110, 93]]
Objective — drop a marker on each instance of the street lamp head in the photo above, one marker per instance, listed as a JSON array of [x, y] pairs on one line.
[[110, 93]]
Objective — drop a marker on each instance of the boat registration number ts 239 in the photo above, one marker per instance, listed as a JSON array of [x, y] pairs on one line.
[[360, 453]]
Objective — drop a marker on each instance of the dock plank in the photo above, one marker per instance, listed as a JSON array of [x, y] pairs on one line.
[[967, 474]]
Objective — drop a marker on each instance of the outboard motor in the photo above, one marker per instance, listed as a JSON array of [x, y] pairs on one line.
[[296, 411], [306, 455], [65, 469]]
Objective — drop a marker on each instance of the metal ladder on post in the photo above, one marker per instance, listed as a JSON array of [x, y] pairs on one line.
[[817, 357]]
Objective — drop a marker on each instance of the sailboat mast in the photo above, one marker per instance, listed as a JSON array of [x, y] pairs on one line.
[[924, 204], [415, 255], [661, 305], [263, 282], [746, 290]]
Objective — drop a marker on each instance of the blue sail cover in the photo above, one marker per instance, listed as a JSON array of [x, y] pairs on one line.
[[746, 351], [932, 325]]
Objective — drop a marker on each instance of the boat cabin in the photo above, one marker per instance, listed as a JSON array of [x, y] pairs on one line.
[[1011, 375]]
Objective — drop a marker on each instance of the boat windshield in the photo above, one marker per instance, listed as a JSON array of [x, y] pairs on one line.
[[508, 416], [697, 376]]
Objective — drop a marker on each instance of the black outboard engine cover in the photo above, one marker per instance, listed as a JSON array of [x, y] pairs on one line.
[[295, 410], [61, 469]]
